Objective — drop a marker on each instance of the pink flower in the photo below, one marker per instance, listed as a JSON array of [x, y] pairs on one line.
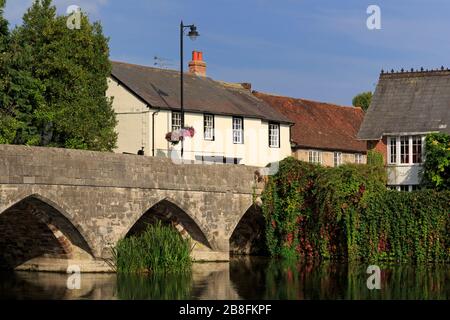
[[178, 135]]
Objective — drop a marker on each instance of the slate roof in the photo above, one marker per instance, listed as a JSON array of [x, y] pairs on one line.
[[160, 88], [408, 102], [320, 125]]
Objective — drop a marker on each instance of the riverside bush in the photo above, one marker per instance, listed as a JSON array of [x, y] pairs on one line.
[[347, 213]]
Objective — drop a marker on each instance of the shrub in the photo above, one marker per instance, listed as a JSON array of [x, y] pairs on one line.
[[375, 158], [347, 213], [436, 169], [158, 249]]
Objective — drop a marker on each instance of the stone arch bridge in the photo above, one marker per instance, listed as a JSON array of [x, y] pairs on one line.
[[62, 207]]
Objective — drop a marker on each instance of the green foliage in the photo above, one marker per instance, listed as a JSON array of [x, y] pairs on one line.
[[362, 100], [284, 205], [347, 213], [55, 81], [375, 158], [158, 249], [436, 170]]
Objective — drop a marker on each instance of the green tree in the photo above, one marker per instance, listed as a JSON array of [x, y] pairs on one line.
[[362, 100], [6, 130], [58, 82], [436, 169]]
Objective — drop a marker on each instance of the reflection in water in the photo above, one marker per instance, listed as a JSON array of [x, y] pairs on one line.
[[242, 278], [273, 279], [44, 285]]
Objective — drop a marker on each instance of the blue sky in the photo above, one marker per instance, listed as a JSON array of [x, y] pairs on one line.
[[314, 49]]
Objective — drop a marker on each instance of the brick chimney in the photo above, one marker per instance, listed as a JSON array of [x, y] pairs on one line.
[[197, 66]]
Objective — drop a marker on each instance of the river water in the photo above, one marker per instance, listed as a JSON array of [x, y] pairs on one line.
[[242, 278]]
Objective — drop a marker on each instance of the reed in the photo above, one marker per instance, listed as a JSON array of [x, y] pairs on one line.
[[159, 249]]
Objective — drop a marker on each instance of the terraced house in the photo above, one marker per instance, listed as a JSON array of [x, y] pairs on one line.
[[231, 125], [405, 108], [323, 133]]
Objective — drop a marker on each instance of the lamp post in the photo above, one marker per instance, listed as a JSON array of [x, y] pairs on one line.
[[193, 34]]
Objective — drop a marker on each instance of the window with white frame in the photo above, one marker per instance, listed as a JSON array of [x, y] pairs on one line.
[[315, 157], [337, 159], [416, 149], [392, 150], [405, 149], [358, 158], [208, 123], [176, 120], [274, 135], [404, 187], [238, 130]]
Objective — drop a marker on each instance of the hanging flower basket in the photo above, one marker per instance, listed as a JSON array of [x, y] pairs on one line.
[[176, 136]]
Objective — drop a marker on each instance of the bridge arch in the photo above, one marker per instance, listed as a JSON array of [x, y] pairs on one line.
[[170, 212], [248, 237], [35, 227]]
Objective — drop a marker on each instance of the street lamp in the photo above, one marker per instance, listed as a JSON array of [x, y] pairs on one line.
[[193, 34]]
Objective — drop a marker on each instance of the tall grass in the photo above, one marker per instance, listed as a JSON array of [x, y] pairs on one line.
[[159, 249]]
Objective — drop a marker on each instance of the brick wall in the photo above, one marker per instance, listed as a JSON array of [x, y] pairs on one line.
[[379, 146]]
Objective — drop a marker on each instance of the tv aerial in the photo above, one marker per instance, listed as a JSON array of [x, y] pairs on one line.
[[162, 63]]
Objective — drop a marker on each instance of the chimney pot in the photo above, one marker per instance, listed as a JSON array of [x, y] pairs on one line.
[[197, 66]]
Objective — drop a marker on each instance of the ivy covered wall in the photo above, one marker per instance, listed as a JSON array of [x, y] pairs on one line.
[[347, 213]]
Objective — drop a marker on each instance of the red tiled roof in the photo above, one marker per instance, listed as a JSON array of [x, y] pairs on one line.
[[320, 125]]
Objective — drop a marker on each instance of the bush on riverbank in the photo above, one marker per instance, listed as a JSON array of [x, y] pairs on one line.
[[347, 213], [158, 249]]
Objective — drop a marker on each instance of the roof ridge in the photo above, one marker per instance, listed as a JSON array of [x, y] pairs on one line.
[[142, 66], [442, 71], [309, 100]]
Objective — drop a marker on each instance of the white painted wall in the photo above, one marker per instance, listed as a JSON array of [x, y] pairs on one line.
[[135, 131], [403, 175]]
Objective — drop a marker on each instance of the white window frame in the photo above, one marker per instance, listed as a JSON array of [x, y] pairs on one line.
[[315, 156], [337, 158], [238, 130], [358, 158], [397, 148], [208, 127], [392, 144], [176, 120], [421, 138], [274, 135], [407, 154], [399, 187]]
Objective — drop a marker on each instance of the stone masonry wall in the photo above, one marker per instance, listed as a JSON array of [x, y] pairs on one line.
[[104, 194]]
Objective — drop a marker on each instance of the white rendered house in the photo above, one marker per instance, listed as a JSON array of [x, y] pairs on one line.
[[231, 125]]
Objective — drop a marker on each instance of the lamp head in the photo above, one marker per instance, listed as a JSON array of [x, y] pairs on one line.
[[193, 33]]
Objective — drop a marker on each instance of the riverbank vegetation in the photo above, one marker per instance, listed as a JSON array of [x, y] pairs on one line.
[[346, 213], [436, 169], [158, 249]]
